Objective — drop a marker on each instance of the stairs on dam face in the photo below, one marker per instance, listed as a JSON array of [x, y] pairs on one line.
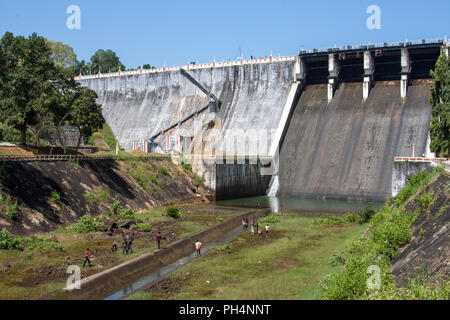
[[345, 149]]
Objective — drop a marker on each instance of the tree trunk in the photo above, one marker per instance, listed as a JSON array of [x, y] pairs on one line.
[[23, 136], [79, 141]]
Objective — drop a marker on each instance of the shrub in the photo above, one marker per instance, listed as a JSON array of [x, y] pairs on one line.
[[145, 227], [11, 207], [164, 170], [365, 215], [333, 220], [9, 242], [87, 224], [116, 206], [42, 244], [99, 195], [219, 219], [186, 166], [269, 219], [426, 201], [196, 180], [54, 196], [127, 213], [390, 230], [225, 247], [414, 183], [173, 212]]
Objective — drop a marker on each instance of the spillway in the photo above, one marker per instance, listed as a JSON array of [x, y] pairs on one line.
[[345, 149]]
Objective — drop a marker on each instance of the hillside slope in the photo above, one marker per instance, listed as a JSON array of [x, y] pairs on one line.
[[427, 255], [87, 187]]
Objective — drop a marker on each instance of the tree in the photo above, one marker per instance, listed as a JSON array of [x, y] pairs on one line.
[[62, 55], [105, 61], [30, 81], [81, 68], [85, 113], [440, 99]]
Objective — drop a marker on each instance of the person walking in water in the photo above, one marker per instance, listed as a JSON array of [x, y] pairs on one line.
[[198, 246], [87, 258], [158, 239]]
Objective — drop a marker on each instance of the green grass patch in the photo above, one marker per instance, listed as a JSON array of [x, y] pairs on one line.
[[99, 195]]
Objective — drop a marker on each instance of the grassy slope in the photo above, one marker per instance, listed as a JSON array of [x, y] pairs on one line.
[[287, 265]]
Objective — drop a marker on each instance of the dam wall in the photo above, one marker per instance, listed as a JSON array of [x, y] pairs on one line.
[[345, 149], [251, 97]]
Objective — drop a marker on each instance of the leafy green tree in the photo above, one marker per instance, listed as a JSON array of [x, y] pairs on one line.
[[85, 113], [62, 55], [440, 99], [105, 61], [81, 68], [30, 83], [147, 66]]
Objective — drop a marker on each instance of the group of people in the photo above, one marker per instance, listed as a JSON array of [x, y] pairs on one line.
[[254, 225], [128, 241]]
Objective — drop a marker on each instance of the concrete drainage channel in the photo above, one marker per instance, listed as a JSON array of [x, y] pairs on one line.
[[141, 272]]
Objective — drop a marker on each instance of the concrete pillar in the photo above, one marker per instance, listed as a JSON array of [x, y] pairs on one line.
[[406, 69], [368, 74], [333, 70], [300, 69]]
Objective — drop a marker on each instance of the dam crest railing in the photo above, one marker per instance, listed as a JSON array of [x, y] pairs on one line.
[[188, 67]]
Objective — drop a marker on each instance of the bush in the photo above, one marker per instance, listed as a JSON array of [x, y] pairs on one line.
[[196, 180], [116, 206], [219, 219], [87, 224], [127, 213], [186, 166], [164, 170], [365, 215], [414, 183], [11, 208], [426, 201], [9, 242], [42, 244], [54, 196], [225, 247], [333, 220], [99, 195], [145, 227], [390, 230], [269, 219], [173, 212]]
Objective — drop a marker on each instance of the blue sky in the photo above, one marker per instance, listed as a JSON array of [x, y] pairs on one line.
[[147, 31]]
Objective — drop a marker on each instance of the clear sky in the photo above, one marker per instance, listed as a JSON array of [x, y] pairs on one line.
[[173, 31]]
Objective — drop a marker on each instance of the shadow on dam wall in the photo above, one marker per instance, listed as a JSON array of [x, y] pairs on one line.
[[345, 149]]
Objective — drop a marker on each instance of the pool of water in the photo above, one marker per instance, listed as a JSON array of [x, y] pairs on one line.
[[300, 205]]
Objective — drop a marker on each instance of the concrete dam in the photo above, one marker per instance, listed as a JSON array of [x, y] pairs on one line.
[[333, 120]]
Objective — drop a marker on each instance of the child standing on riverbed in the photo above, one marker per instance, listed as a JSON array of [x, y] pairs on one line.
[[198, 246]]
